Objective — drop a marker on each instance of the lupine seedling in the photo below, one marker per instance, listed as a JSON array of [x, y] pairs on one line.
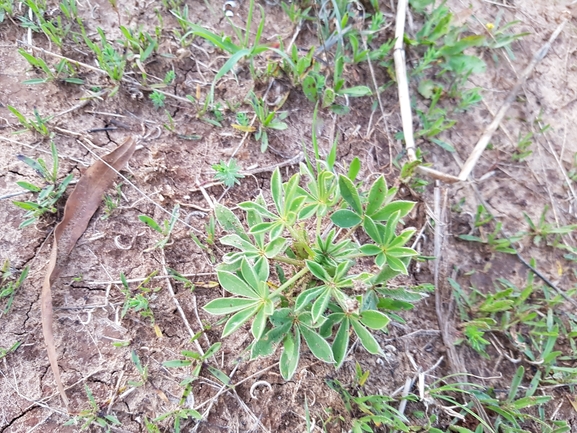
[[307, 233]]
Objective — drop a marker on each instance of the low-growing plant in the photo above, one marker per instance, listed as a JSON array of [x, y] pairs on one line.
[[142, 370], [227, 173], [525, 316], [56, 30], [5, 352], [507, 414], [495, 240], [111, 202], [370, 411], [309, 233], [38, 124], [63, 71], [6, 9], [157, 99], [9, 285], [194, 360], [266, 120], [542, 230], [244, 50], [49, 194], [139, 300], [109, 59], [165, 228], [93, 415]]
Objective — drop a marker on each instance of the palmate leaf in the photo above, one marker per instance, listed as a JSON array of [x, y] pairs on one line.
[[277, 191], [402, 206], [259, 324], [377, 196], [239, 319], [289, 358], [350, 194], [317, 344], [222, 306], [367, 339], [233, 284], [229, 221], [266, 345], [374, 319], [345, 218], [307, 296], [341, 342]]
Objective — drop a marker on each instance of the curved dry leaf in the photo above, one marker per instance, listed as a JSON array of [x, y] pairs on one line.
[[79, 209]]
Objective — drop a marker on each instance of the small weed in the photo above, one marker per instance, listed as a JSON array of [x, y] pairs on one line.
[[227, 173], [142, 371], [5, 352], [524, 316], [109, 60], [69, 9], [111, 203], [48, 195], [165, 229], [245, 50], [296, 13], [243, 120], [169, 77], [372, 410], [56, 30], [409, 175], [139, 302], [210, 238], [496, 241], [185, 281], [194, 360], [522, 151], [267, 120], [9, 285], [63, 71], [178, 415], [543, 230], [157, 99], [6, 9], [38, 124], [501, 37], [140, 45], [93, 415]]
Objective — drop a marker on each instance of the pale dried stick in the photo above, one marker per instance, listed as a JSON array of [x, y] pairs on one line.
[[404, 97], [490, 130], [403, 85], [178, 307]]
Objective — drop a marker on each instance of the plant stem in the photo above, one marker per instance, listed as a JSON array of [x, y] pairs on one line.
[[289, 261], [296, 237], [289, 282]]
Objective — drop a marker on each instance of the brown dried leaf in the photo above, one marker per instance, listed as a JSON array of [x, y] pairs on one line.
[[80, 207]]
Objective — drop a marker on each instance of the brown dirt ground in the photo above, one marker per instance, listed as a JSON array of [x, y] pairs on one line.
[[168, 168]]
